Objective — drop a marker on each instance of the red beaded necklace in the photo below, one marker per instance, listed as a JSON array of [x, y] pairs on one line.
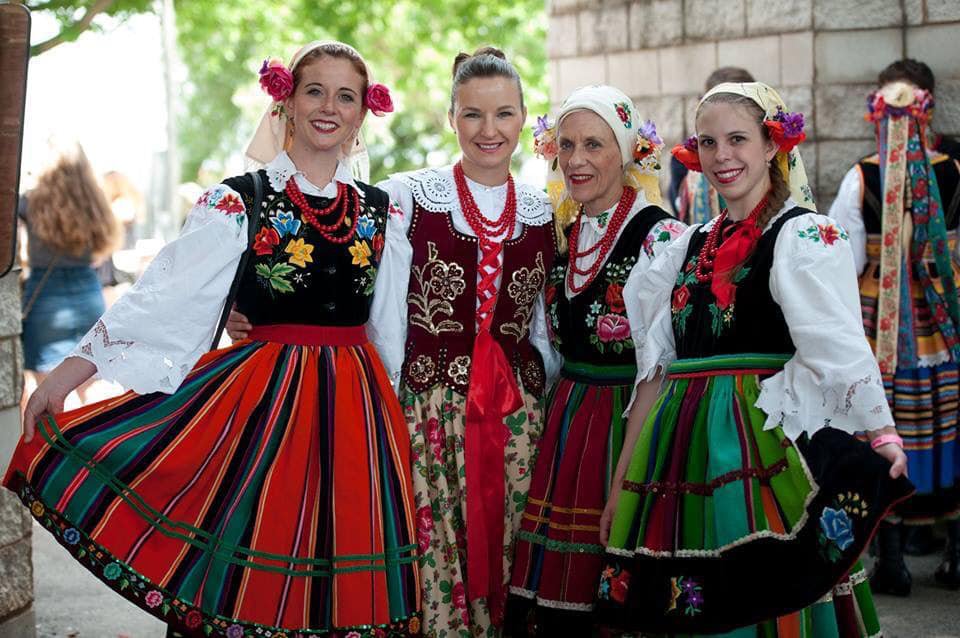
[[345, 201], [704, 269], [483, 228], [604, 244]]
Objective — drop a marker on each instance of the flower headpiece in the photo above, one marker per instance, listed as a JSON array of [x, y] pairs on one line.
[[688, 154], [786, 129], [277, 81], [545, 140], [648, 146], [899, 99]]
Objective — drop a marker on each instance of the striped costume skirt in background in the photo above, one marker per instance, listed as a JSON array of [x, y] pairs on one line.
[[557, 560], [269, 494], [723, 526], [923, 396]]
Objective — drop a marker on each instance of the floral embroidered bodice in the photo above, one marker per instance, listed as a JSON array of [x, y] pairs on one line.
[[753, 323], [296, 275], [592, 327], [441, 302]]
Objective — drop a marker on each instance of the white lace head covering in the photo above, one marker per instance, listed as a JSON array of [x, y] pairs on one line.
[[273, 133]]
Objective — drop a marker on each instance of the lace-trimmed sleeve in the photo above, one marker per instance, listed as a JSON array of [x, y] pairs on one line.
[[154, 334], [833, 379]]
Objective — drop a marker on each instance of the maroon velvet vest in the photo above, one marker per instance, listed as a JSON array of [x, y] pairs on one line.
[[442, 303]]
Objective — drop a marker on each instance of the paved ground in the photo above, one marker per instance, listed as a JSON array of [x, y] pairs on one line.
[[72, 603]]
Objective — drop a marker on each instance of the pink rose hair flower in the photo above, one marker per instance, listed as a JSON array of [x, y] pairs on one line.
[[276, 79], [378, 100]]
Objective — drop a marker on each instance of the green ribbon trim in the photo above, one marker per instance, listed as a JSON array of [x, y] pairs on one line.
[[610, 374], [740, 361], [560, 546], [211, 544]]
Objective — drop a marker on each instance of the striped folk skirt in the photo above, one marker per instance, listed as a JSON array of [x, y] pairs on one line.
[[558, 556], [723, 526], [270, 494], [923, 396]]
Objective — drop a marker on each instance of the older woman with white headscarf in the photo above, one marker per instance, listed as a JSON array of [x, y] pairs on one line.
[[609, 161]]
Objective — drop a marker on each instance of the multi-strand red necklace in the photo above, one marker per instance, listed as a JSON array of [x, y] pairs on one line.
[[346, 201], [482, 227], [604, 244], [490, 235], [708, 253]]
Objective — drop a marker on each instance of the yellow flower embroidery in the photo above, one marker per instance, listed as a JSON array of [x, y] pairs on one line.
[[299, 252], [361, 253]]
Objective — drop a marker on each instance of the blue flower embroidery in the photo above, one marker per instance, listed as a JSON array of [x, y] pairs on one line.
[[214, 197], [366, 227], [285, 224], [71, 536], [837, 526]]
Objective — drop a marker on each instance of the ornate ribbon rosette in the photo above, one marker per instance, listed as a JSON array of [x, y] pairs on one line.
[[901, 113]]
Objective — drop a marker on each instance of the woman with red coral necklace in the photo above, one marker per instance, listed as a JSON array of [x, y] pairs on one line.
[[265, 487], [609, 161], [458, 319], [746, 497]]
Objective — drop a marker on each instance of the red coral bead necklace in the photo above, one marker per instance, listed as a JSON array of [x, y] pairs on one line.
[[604, 244], [344, 202], [482, 227]]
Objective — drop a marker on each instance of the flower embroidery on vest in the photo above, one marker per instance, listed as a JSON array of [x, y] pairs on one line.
[[438, 283], [526, 284], [459, 370], [422, 369]]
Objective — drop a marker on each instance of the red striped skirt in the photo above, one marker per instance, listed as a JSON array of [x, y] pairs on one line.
[[270, 492]]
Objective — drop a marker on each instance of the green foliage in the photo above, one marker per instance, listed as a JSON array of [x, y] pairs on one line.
[[409, 45]]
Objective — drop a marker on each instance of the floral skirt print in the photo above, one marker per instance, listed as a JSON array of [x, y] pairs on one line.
[[711, 501], [436, 421], [269, 495]]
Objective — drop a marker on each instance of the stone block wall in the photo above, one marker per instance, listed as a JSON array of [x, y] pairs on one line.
[[16, 565], [822, 55]]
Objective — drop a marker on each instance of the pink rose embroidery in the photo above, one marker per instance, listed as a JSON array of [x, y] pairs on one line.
[[612, 328], [424, 527], [459, 596], [435, 437]]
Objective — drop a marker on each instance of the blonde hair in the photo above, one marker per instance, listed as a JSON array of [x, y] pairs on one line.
[[68, 211]]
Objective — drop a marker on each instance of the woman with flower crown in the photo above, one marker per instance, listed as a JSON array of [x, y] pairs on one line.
[[608, 200], [746, 497], [900, 207], [458, 318], [263, 488]]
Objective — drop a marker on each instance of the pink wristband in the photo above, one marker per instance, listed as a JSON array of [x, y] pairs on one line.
[[883, 439]]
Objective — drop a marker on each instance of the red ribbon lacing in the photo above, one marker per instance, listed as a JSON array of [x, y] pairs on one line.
[[493, 395]]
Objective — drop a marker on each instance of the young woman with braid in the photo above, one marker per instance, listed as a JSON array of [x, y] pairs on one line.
[[744, 497]]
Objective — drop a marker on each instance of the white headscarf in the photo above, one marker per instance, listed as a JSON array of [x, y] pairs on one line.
[[620, 114], [271, 135]]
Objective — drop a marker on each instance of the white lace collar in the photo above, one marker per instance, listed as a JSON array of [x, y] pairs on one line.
[[435, 191], [282, 168], [601, 221], [788, 205]]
